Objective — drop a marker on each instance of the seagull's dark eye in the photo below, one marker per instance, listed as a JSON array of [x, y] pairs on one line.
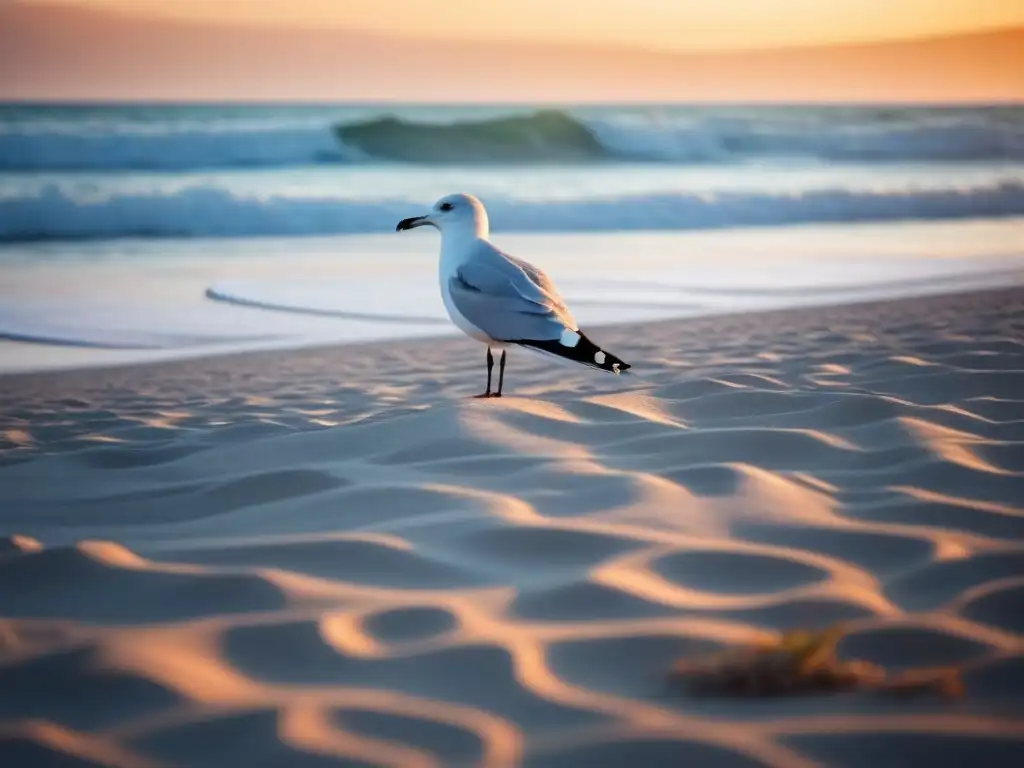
[[446, 206]]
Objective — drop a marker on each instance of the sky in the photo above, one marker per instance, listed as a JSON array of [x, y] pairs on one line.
[[550, 50], [672, 25]]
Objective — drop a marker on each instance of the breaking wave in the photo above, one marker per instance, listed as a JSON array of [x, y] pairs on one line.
[[546, 136], [201, 211]]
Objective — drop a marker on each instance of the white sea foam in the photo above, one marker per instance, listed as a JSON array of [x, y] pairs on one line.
[[201, 211]]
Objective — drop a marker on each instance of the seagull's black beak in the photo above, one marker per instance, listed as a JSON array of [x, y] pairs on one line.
[[412, 223]]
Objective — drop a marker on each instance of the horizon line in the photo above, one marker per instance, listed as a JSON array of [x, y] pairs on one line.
[[540, 104]]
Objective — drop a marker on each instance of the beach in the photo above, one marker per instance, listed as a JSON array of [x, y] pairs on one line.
[[334, 556]]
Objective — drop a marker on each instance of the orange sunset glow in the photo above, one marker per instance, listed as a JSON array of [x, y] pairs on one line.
[[746, 50], [657, 24]]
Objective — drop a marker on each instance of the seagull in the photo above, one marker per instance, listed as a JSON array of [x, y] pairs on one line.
[[498, 299]]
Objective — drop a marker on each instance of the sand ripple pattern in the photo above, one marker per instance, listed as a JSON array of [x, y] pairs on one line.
[[332, 558]]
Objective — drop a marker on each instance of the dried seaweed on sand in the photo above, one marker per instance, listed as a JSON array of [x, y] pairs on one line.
[[804, 662]]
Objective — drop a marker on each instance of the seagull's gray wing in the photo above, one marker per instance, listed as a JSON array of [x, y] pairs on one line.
[[507, 298]]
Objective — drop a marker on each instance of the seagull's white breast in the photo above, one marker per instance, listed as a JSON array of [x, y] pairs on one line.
[[453, 252]]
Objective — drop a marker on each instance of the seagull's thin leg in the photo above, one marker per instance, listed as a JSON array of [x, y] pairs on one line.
[[490, 366], [501, 373]]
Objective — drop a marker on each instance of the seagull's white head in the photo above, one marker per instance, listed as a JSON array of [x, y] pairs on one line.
[[458, 214]]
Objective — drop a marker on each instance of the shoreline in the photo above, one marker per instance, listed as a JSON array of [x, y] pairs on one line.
[[617, 328]]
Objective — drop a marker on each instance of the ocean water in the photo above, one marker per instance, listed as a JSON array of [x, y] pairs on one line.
[[140, 232]]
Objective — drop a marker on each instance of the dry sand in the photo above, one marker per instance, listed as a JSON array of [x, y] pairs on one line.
[[332, 557]]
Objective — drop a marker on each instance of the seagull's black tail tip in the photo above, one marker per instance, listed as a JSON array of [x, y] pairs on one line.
[[585, 352]]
